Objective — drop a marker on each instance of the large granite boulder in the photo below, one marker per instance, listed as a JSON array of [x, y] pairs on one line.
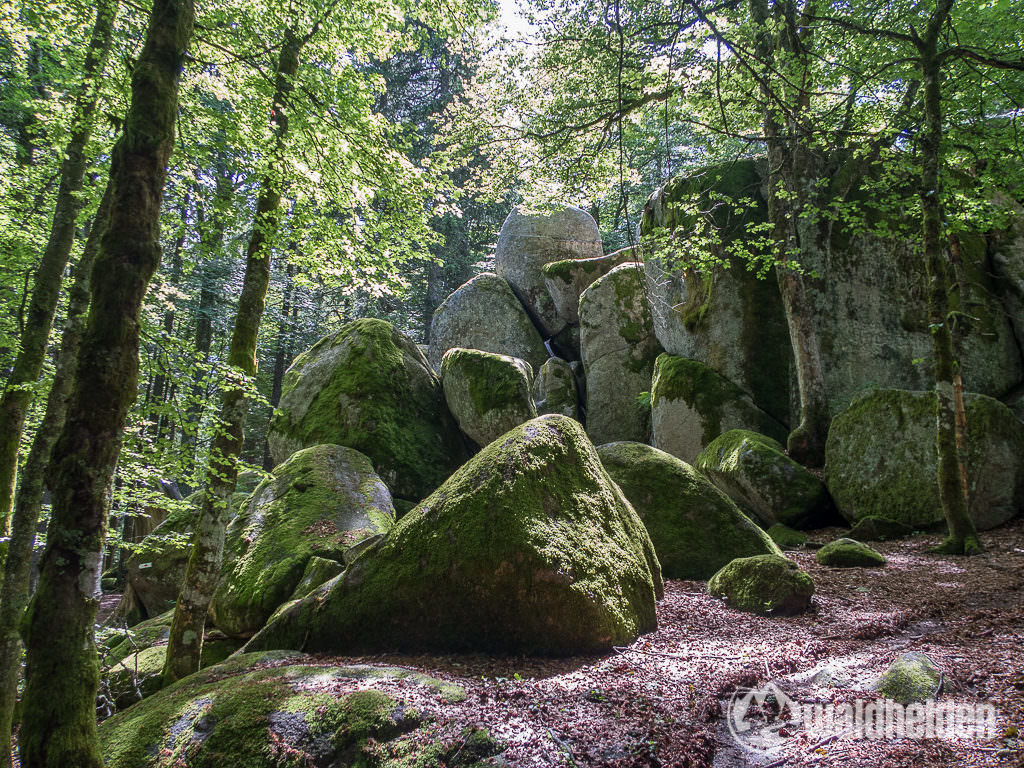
[[156, 568], [487, 394], [484, 314], [271, 710], [619, 349], [695, 528], [706, 303], [530, 239], [554, 390], [567, 279], [880, 459], [692, 405], [528, 548], [368, 387], [870, 313], [765, 584], [752, 470], [321, 502]]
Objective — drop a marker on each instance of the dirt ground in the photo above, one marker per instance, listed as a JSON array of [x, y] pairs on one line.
[[663, 701]]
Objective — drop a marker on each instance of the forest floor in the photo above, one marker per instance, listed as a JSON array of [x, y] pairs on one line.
[[664, 700]]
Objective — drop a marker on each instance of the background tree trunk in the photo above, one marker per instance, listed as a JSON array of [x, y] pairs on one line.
[[58, 728], [185, 643], [17, 569], [46, 290], [963, 538]]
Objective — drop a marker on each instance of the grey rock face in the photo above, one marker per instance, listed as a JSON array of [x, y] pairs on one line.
[[485, 314], [487, 394], [880, 459], [531, 239], [566, 280], [554, 390], [619, 349], [691, 405]]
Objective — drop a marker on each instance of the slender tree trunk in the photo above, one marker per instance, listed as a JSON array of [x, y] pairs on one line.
[[46, 290], [58, 727], [282, 357], [963, 538], [15, 594], [185, 644]]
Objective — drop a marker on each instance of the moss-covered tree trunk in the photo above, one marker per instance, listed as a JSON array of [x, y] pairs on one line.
[[963, 538], [794, 174], [58, 727], [282, 357], [185, 643], [15, 592], [46, 289]]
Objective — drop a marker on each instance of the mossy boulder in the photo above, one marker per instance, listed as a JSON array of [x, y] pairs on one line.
[[879, 528], [156, 569], [487, 394], [554, 390], [913, 677], [786, 538], [534, 236], [692, 405], [848, 553], [140, 673], [695, 528], [619, 349], [709, 305], [567, 279], [880, 459], [752, 470], [765, 584], [321, 502], [528, 548], [368, 387], [282, 711], [485, 314]]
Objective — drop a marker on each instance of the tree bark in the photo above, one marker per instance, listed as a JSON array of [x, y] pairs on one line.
[[17, 569], [963, 537], [58, 727], [793, 173], [46, 289], [282, 357], [185, 643]]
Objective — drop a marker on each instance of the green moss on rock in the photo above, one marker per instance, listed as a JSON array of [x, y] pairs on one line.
[[695, 528], [913, 677], [368, 387], [765, 584], [752, 470], [321, 502], [786, 538], [692, 405], [488, 394], [880, 459], [241, 715], [529, 547], [847, 553]]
